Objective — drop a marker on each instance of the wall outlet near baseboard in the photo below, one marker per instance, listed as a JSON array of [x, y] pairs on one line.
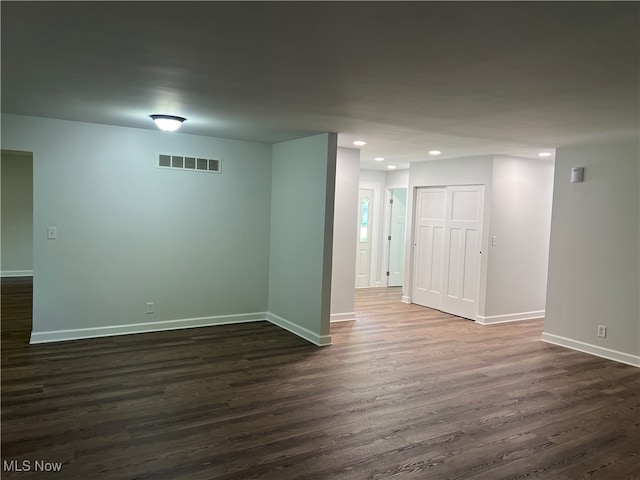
[[149, 307], [602, 331]]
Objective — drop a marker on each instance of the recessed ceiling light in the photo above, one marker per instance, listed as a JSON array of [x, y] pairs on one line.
[[434, 152], [379, 159], [391, 167], [360, 143], [168, 123], [544, 154]]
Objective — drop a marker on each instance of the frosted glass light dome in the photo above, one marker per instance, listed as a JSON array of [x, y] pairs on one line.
[[168, 123]]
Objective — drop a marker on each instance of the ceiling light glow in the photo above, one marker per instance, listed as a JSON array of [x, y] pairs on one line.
[[544, 154], [434, 152], [391, 167], [168, 123], [360, 143], [379, 159]]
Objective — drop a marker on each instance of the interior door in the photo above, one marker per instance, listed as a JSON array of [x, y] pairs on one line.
[[461, 277], [397, 227], [429, 246], [363, 257], [448, 232]]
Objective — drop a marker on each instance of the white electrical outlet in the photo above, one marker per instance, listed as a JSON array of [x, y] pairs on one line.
[[149, 307], [602, 331]]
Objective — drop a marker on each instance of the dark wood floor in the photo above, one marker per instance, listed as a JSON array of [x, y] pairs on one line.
[[404, 392]]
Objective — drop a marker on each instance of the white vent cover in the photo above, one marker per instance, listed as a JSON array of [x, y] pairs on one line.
[[195, 164]]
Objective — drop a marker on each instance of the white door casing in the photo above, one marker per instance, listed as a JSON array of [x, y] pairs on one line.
[[446, 262]]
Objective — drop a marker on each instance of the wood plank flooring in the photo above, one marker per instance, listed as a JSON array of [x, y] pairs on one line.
[[403, 392]]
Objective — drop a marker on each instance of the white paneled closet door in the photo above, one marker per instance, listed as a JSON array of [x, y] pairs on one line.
[[448, 228], [461, 278], [429, 246]]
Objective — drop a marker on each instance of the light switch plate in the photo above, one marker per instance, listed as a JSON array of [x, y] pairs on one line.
[[52, 233]]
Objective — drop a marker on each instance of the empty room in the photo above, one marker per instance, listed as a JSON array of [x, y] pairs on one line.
[[320, 240]]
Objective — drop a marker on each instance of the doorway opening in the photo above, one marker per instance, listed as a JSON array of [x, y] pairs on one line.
[[396, 224], [16, 262]]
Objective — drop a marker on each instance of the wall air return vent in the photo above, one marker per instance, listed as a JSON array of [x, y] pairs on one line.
[[165, 161], [194, 164], [177, 162]]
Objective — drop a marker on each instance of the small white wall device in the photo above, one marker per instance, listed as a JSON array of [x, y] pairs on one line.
[[577, 174]]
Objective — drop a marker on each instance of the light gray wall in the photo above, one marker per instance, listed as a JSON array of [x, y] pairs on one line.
[[397, 178], [301, 235], [520, 219], [460, 171], [455, 171], [594, 259], [17, 213], [196, 244], [373, 176], [344, 234]]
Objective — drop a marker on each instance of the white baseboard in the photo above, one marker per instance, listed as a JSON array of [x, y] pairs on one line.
[[511, 317], [16, 273], [343, 317], [320, 340], [609, 354], [406, 299], [148, 327], [109, 331]]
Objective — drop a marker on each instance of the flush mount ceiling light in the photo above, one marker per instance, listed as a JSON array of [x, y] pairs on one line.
[[360, 143], [379, 159], [544, 154], [434, 153], [391, 167], [168, 123]]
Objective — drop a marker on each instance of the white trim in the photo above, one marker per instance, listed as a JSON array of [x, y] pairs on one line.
[[406, 299], [16, 273], [510, 317], [343, 317], [320, 340], [147, 327], [607, 353]]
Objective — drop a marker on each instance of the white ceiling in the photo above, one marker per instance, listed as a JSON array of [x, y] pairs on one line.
[[465, 78]]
